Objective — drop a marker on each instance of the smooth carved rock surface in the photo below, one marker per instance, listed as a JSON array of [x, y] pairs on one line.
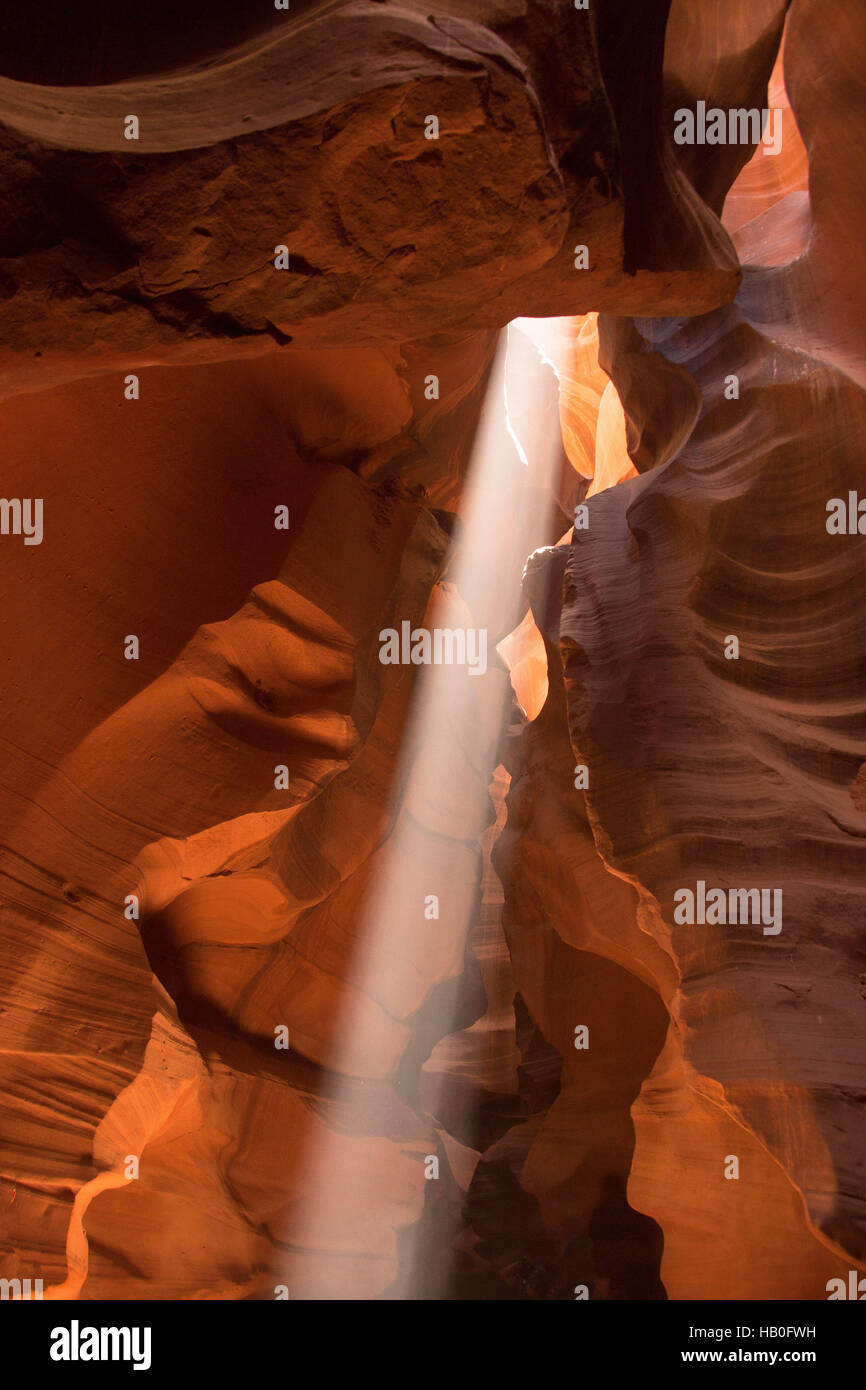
[[737, 772], [354, 388], [312, 136]]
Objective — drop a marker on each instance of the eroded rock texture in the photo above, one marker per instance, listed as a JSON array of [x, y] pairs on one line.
[[434, 887]]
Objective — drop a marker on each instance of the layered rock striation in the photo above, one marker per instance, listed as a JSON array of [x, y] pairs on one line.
[[342, 979]]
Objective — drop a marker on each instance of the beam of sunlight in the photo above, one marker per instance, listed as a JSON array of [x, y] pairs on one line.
[[425, 879]]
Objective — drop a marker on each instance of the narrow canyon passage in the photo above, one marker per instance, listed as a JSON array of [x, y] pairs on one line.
[[432, 806]]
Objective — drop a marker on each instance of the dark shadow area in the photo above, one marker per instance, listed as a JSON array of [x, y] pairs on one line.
[[99, 41]]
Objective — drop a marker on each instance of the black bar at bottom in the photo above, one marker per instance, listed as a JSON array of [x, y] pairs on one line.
[[230, 1341]]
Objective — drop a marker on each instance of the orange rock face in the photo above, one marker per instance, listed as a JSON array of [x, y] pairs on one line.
[[432, 804]]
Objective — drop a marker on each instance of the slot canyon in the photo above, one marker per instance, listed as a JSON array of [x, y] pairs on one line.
[[422, 610]]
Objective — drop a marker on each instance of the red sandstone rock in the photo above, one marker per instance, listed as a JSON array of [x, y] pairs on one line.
[[416, 1038]]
